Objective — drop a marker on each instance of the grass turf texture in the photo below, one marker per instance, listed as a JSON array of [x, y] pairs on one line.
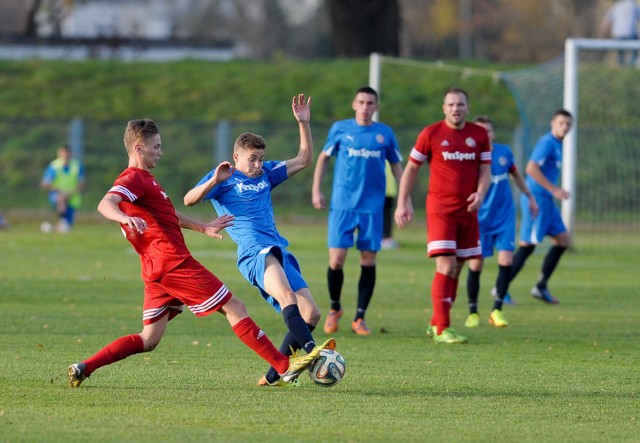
[[563, 373]]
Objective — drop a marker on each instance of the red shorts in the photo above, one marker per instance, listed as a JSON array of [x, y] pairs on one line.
[[189, 284], [457, 235]]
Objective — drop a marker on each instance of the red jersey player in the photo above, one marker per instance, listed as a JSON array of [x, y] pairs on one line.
[[172, 278], [459, 157]]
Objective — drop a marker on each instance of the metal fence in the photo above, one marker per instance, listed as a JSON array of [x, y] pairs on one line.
[[190, 149]]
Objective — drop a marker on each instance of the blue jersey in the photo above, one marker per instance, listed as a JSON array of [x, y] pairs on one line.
[[548, 155], [249, 200], [498, 209], [359, 176]]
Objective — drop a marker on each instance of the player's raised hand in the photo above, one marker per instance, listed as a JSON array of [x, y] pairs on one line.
[[301, 108], [223, 172]]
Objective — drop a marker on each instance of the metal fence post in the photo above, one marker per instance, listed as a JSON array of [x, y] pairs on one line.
[[76, 138]]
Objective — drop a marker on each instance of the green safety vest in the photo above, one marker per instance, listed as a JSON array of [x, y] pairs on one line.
[[67, 181]]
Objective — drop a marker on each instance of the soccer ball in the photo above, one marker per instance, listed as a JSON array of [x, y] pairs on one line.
[[328, 369]]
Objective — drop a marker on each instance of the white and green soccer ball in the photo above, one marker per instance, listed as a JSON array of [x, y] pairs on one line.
[[328, 369]]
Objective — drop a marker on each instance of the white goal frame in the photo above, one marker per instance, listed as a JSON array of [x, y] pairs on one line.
[[572, 49]]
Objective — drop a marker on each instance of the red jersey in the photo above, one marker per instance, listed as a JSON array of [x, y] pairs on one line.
[[161, 246], [454, 158]]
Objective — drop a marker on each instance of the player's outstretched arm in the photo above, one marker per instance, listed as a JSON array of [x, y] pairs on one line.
[[301, 108], [210, 229], [197, 194]]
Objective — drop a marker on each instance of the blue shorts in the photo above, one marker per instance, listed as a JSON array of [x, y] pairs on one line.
[[342, 227], [503, 240], [71, 211], [253, 266], [547, 222]]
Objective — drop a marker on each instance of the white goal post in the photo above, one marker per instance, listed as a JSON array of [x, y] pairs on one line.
[[572, 49]]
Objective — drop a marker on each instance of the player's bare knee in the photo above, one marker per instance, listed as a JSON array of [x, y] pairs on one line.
[[150, 344], [313, 317], [236, 308], [449, 272], [287, 298]]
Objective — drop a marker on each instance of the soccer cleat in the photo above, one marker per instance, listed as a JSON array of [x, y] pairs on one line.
[[507, 300], [473, 320], [299, 363], [431, 331], [544, 295], [76, 374], [360, 327], [331, 323], [449, 336], [388, 244], [496, 318], [295, 383], [329, 344]]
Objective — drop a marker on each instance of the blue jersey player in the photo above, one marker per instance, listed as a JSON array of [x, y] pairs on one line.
[[497, 221], [361, 147], [543, 172], [244, 190]]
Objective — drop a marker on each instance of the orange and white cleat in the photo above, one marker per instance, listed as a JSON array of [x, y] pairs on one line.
[[331, 323], [360, 327]]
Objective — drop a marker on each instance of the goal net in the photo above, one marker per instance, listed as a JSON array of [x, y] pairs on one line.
[[601, 154], [601, 161]]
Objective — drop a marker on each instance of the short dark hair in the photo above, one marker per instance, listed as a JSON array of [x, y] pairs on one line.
[[562, 111], [249, 140], [456, 90], [367, 90], [484, 119]]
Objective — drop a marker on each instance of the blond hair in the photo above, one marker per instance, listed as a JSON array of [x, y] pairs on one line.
[[137, 130]]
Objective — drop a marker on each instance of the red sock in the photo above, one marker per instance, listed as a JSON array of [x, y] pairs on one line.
[[252, 336], [442, 290], [454, 289], [116, 351]]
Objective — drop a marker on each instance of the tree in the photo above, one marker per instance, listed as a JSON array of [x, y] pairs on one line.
[[360, 27], [31, 26]]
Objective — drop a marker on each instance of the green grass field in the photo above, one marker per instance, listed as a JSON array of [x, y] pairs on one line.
[[557, 373]]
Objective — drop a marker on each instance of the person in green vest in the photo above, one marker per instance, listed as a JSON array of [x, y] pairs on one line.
[[64, 179]]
